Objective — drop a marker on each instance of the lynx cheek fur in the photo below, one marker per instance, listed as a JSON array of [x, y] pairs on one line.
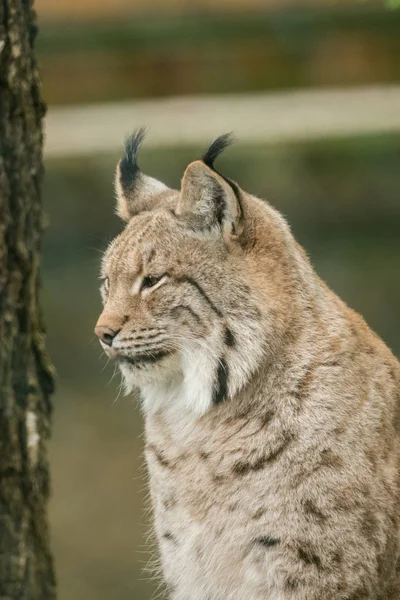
[[271, 409]]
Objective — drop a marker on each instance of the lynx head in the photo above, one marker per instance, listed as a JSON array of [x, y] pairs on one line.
[[183, 286]]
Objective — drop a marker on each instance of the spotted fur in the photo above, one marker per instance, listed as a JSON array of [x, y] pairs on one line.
[[271, 409]]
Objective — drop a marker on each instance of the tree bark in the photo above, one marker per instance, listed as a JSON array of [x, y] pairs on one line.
[[26, 380]]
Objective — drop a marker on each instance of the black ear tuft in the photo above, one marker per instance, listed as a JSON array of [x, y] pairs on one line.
[[218, 145], [128, 165], [133, 143]]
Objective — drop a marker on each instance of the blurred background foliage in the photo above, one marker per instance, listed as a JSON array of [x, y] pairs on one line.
[[205, 52], [340, 196]]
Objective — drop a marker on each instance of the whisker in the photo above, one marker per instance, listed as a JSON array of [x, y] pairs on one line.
[[121, 385], [113, 375], [106, 365]]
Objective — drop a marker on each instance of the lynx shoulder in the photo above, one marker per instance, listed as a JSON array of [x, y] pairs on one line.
[[271, 409]]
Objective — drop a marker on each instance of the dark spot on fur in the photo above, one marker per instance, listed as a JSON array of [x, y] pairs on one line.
[[221, 384], [369, 526], [275, 454], [169, 502], [309, 557], [291, 583], [243, 290], [337, 557], [229, 338], [267, 541], [329, 459], [242, 467], [258, 514], [169, 537], [304, 383], [310, 508], [204, 455], [266, 418], [159, 455], [340, 429], [345, 499], [218, 478]]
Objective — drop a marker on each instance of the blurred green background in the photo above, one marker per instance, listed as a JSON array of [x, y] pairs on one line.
[[341, 197]]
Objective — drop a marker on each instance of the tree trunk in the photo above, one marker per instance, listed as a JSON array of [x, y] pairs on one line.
[[26, 381]]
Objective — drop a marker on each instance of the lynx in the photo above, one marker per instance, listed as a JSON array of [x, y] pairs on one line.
[[271, 409]]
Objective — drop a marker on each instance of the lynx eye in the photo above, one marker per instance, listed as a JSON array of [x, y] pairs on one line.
[[105, 282], [150, 281]]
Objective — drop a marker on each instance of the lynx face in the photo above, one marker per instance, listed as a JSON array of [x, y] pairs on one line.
[[181, 309]]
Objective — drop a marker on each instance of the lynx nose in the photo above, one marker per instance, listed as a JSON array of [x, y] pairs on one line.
[[106, 334]]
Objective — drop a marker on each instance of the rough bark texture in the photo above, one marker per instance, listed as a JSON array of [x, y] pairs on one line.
[[26, 382]]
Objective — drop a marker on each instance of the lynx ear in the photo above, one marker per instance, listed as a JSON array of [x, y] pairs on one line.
[[135, 191], [208, 201]]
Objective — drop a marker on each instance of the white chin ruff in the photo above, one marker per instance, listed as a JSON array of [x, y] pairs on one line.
[[143, 374], [182, 381]]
